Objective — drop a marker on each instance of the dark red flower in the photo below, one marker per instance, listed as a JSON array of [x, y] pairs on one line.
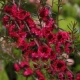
[[59, 66]]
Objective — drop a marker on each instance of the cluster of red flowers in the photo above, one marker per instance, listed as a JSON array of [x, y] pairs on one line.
[[38, 43]]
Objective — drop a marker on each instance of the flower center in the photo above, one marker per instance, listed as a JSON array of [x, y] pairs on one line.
[[59, 65]]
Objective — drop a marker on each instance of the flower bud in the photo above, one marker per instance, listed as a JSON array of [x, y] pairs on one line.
[[70, 62]]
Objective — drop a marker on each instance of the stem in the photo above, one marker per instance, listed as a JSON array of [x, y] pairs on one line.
[[19, 3], [58, 13], [13, 1], [52, 3], [13, 19], [31, 34]]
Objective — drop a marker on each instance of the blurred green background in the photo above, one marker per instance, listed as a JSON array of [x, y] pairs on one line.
[[69, 12]]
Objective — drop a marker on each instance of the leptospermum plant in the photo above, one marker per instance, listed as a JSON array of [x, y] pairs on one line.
[[45, 47]]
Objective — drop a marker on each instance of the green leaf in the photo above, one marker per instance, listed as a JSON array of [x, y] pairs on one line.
[[29, 7], [64, 23], [17, 52]]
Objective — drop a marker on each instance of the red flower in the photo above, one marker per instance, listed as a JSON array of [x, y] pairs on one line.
[[61, 76], [12, 28], [78, 76], [16, 67], [68, 48], [28, 72], [22, 44], [44, 13], [7, 9], [45, 31], [22, 14], [36, 31], [51, 38], [22, 34], [30, 22], [53, 56], [59, 65], [5, 20], [50, 23], [63, 36], [24, 64], [69, 75], [44, 51], [40, 75], [14, 11], [59, 48]]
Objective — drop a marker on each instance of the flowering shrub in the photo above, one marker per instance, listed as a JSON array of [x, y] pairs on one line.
[[43, 44]]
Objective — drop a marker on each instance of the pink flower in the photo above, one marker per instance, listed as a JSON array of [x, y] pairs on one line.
[[59, 65], [28, 72], [16, 67]]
